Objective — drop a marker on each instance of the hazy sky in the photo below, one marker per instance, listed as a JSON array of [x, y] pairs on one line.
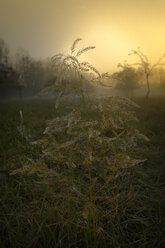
[[46, 27]]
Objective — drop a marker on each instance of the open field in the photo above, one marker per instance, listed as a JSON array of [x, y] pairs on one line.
[[29, 216]]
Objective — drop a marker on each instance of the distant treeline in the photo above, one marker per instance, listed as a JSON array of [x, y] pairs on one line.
[[25, 76]]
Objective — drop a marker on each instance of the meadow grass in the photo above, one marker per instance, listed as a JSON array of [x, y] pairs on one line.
[[30, 215]]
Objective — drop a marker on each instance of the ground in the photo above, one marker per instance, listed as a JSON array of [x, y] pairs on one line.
[[26, 216]]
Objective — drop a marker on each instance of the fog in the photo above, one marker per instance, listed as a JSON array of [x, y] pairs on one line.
[[48, 27], [23, 76]]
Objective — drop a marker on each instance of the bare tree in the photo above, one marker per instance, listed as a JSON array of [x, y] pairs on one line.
[[31, 73], [4, 52], [147, 67]]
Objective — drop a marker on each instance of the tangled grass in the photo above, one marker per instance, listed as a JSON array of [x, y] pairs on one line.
[[46, 205], [88, 157]]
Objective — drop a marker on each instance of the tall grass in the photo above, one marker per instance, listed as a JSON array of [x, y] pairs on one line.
[[83, 179], [38, 209]]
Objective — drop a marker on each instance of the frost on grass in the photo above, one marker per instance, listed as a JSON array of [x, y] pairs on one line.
[[97, 140], [110, 136]]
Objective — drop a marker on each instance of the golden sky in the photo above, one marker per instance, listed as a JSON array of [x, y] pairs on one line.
[[47, 27]]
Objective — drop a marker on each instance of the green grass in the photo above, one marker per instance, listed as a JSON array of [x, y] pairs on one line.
[[29, 214]]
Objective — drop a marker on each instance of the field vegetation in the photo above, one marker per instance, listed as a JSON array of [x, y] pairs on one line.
[[30, 214], [80, 170]]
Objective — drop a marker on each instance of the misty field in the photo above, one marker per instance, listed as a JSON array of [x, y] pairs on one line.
[[37, 211], [82, 124]]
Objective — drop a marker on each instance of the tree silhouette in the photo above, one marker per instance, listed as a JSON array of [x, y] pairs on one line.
[[147, 67]]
